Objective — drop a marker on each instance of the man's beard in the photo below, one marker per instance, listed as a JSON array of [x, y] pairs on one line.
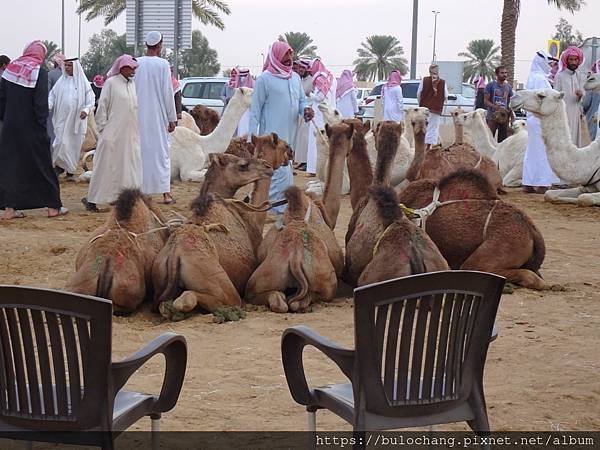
[[572, 67]]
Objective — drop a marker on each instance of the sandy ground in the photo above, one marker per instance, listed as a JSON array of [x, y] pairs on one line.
[[543, 373]]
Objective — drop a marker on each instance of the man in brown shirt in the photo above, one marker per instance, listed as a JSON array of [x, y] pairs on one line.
[[432, 94]]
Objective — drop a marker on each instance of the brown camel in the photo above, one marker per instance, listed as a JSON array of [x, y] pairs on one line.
[[300, 258], [437, 162], [208, 261], [358, 162], [207, 119], [381, 243], [117, 261], [479, 231], [240, 147]]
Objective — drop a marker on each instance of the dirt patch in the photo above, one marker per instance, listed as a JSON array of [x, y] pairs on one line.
[[543, 372]]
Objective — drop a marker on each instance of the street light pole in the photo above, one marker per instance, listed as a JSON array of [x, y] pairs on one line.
[[435, 13], [62, 36], [79, 39], [413, 50]]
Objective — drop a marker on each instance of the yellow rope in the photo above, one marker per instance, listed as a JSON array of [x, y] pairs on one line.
[[381, 236]]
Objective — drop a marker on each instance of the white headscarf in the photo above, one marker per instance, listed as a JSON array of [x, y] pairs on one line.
[[81, 85], [539, 72]]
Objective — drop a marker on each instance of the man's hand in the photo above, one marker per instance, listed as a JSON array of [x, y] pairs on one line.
[[309, 114], [579, 94], [82, 115], [172, 126]]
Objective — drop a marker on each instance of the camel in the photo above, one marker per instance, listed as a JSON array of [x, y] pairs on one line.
[[300, 259], [381, 243], [576, 166], [188, 122], [206, 119], [404, 155], [116, 263], [240, 147], [508, 154], [438, 162], [474, 230], [207, 261], [189, 151]]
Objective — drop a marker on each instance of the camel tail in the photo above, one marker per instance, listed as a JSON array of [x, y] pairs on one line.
[[417, 261], [173, 276], [105, 279], [299, 276], [539, 249]]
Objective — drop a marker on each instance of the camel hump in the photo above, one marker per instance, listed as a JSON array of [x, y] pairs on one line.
[[471, 181], [126, 202], [386, 202]]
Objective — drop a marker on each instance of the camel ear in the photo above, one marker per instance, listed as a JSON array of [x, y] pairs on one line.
[[214, 158], [350, 131], [560, 96], [401, 127], [376, 130], [367, 126], [328, 130], [254, 139], [275, 138]]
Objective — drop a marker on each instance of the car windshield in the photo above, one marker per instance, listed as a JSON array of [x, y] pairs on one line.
[[207, 90], [468, 91], [409, 90]]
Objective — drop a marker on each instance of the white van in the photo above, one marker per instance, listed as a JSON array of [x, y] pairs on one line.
[[203, 91]]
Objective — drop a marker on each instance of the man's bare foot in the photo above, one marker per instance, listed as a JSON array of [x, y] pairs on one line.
[[10, 213], [52, 212], [168, 199]]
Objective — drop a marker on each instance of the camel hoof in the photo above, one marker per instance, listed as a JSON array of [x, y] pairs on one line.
[[228, 314], [301, 305], [277, 302], [555, 288], [169, 311], [585, 200]]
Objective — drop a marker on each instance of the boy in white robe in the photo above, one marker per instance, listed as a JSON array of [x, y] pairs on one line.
[[70, 100], [157, 117], [118, 158]]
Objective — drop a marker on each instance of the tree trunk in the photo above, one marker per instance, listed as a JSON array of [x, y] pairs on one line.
[[510, 17]]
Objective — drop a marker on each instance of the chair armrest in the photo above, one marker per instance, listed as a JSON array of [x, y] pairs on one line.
[[174, 348], [293, 342]]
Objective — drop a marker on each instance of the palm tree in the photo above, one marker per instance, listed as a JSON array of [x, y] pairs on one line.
[[301, 43], [52, 49], [378, 56], [508, 28], [205, 10], [482, 58]]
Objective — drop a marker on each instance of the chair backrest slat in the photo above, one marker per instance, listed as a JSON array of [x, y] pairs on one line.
[[8, 369], [58, 363], [31, 365], [83, 333], [429, 333], [17, 350], [72, 362], [41, 340]]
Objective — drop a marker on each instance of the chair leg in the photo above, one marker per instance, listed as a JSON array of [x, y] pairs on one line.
[[312, 421], [155, 427], [480, 423]]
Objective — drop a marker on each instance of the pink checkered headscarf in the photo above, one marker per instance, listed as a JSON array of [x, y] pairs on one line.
[[345, 84], [120, 62], [571, 51], [273, 62], [394, 79], [322, 78], [25, 70], [244, 78]]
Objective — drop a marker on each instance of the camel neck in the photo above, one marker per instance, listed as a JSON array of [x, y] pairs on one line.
[[260, 194], [571, 164], [359, 171], [458, 133], [335, 176], [412, 173], [218, 140], [482, 134]]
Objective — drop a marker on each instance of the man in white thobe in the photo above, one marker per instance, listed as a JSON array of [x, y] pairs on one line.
[[537, 174], [157, 117], [570, 80], [70, 100], [392, 98], [345, 96], [324, 89], [301, 145], [118, 158]]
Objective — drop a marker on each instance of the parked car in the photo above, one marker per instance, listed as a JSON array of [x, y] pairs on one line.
[[203, 91], [465, 100], [362, 94]]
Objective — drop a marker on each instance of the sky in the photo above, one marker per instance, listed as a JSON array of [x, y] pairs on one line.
[[337, 27]]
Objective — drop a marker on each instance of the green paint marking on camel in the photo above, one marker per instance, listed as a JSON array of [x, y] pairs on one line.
[[97, 265], [307, 246]]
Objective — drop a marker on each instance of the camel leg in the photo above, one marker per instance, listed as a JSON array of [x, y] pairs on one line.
[[564, 195], [498, 257], [513, 178], [275, 300], [266, 285], [193, 175], [591, 199]]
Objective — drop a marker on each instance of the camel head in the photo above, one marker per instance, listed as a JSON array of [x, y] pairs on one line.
[[418, 116], [270, 148], [360, 128], [340, 136], [592, 83], [236, 171], [243, 95], [331, 115], [456, 113], [468, 119], [519, 125], [541, 102]]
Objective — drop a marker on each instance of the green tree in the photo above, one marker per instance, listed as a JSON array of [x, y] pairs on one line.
[[208, 11], [483, 56], [566, 35], [378, 56], [104, 48], [52, 49], [301, 43], [508, 27], [200, 60]]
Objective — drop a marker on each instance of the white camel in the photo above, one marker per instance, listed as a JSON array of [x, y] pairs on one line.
[[189, 150], [578, 166], [508, 154], [404, 155], [188, 122]]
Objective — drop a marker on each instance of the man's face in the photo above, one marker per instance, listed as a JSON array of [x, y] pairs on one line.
[[3, 66], [127, 72], [287, 58], [573, 62], [301, 71], [69, 68], [502, 75]]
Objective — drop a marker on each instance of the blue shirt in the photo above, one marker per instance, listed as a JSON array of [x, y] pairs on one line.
[[500, 94]]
